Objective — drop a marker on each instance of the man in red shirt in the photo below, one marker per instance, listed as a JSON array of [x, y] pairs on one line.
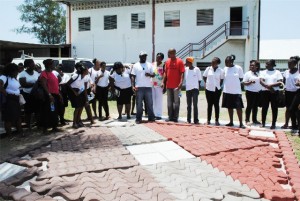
[[173, 79]]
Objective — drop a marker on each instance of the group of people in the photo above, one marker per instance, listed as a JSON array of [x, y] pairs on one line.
[[47, 93]]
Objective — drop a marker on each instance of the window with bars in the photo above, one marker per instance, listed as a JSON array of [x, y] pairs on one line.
[[138, 21], [84, 24], [172, 18], [205, 17], [110, 22]]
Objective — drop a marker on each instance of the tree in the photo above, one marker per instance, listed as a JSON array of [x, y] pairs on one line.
[[45, 19]]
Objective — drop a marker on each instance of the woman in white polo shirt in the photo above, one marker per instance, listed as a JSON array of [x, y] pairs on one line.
[[78, 93], [232, 93], [291, 78], [213, 77], [253, 87], [10, 92], [102, 81], [270, 79], [120, 80]]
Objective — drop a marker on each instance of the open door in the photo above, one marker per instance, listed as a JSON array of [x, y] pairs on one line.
[[236, 21]]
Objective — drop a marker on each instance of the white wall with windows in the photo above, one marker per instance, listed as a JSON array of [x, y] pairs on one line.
[[127, 30]]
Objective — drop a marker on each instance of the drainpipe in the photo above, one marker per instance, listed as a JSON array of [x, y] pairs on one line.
[[153, 30], [70, 21], [258, 36]]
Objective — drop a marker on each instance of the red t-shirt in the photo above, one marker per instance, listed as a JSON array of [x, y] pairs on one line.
[[174, 70], [52, 82]]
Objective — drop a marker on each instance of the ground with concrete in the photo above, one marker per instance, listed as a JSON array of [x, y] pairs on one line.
[[119, 160]]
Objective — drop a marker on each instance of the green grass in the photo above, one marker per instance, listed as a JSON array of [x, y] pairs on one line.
[[295, 143]]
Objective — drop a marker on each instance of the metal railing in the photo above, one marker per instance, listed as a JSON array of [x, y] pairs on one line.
[[229, 28]]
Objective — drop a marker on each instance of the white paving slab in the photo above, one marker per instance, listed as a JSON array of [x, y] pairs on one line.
[[8, 170], [159, 152], [116, 123], [262, 133]]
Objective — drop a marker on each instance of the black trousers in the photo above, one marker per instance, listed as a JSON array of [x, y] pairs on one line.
[[292, 102], [266, 99], [101, 95], [213, 99], [49, 119], [252, 104], [192, 98]]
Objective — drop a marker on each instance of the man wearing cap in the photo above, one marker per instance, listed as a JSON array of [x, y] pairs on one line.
[[142, 72], [193, 79], [173, 79]]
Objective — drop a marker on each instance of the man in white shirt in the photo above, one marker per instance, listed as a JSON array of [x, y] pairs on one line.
[[142, 72], [193, 79]]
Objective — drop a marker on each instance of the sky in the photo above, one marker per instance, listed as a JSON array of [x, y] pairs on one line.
[[280, 19]]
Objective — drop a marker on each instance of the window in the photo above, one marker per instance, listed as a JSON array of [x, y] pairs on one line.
[[138, 21], [68, 66], [172, 18], [84, 24], [205, 17], [110, 22]]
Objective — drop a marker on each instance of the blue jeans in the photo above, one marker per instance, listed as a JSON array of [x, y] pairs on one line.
[[144, 93], [192, 97]]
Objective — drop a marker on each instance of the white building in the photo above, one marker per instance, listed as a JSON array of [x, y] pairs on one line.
[[280, 51], [114, 30]]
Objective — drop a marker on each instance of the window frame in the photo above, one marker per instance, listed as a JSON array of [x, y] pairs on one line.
[[110, 26], [84, 24], [139, 24], [172, 22], [207, 17]]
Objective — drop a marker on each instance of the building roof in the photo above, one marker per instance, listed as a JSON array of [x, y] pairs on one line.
[[18, 45], [279, 49]]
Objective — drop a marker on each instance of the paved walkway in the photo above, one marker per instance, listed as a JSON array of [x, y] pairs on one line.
[[155, 161]]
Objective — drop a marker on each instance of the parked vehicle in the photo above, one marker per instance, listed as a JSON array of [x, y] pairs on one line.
[[68, 63]]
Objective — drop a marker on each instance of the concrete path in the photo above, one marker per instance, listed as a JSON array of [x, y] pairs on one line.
[[155, 161]]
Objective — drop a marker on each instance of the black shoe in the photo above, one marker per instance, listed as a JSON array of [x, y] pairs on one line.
[[197, 122], [229, 124], [273, 127], [80, 124], [256, 122], [119, 118], [128, 117], [175, 120], [138, 122], [242, 126], [158, 118]]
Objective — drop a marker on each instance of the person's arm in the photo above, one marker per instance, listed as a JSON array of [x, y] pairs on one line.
[[68, 84], [181, 81], [43, 82], [246, 81], [24, 83], [133, 82], [2, 90]]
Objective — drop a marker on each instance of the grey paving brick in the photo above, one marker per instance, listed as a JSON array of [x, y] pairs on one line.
[[137, 134], [192, 178]]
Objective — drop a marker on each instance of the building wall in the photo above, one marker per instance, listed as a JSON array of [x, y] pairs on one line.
[[124, 43]]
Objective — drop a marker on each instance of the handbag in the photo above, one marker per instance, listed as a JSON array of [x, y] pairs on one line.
[[281, 97], [38, 91], [22, 100]]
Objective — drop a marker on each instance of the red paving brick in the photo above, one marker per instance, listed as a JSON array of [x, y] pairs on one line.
[[249, 159]]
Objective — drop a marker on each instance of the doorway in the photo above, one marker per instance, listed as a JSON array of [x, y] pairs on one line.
[[236, 21]]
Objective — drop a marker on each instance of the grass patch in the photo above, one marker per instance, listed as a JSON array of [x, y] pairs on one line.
[[295, 143]]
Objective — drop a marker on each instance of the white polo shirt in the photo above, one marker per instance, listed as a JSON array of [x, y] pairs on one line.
[[192, 78], [13, 85], [291, 80], [250, 76], [139, 71], [271, 77], [232, 76], [29, 79], [103, 81], [122, 81], [79, 82], [213, 78], [93, 74]]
